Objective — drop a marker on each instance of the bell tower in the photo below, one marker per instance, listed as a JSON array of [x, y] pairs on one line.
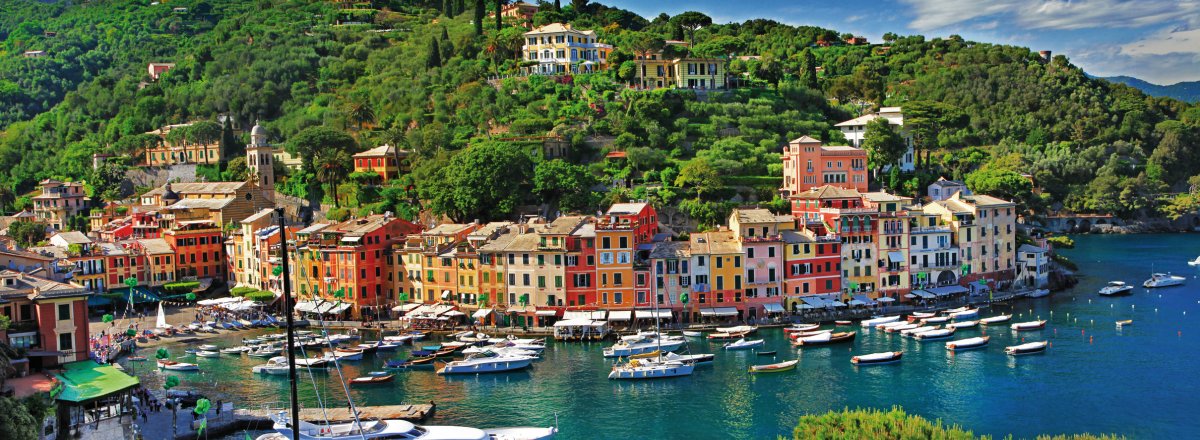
[[259, 160]]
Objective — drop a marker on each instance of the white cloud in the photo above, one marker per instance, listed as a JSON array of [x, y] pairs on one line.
[[1054, 14], [1186, 41]]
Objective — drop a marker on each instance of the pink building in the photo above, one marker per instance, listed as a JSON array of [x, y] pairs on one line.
[[808, 164]]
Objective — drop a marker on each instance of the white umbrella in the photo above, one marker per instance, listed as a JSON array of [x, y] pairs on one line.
[[885, 299]]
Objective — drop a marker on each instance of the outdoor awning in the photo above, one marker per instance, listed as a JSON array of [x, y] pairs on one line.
[[332, 308], [923, 294], [896, 257], [650, 314], [550, 312], [570, 315], [719, 311], [948, 290], [864, 300], [306, 306], [910, 296], [599, 315], [481, 313], [839, 304], [573, 323], [885, 299], [855, 302], [620, 315], [773, 308], [86, 380], [406, 307], [815, 302], [454, 313]]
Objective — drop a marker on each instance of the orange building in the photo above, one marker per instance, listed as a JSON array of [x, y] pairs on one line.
[[199, 249], [383, 160], [808, 164], [615, 239]]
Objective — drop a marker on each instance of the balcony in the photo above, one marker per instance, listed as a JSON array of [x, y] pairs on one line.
[[929, 229], [831, 210], [766, 239]]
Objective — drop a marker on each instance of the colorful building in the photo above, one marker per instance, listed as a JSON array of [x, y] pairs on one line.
[[717, 286], [760, 233], [59, 201], [581, 267], [855, 131], [349, 262], [984, 229], [616, 242], [843, 212], [199, 249], [808, 164], [559, 48], [670, 263], [933, 257], [383, 160], [171, 152], [892, 223], [49, 318], [813, 267]]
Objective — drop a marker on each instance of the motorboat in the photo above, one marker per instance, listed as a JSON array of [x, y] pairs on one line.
[[650, 369], [965, 314], [347, 354], [826, 339], [1038, 293], [743, 344], [264, 351], [417, 360], [1195, 262], [487, 362], [886, 357], [903, 327], [809, 333], [1116, 288], [177, 366], [888, 325], [693, 333], [374, 377], [235, 350], [625, 348], [934, 335], [1031, 325], [310, 363], [371, 429], [800, 328], [747, 329], [209, 347], [398, 339], [956, 310], [767, 353], [502, 350], [962, 324], [208, 354], [380, 345], [695, 359], [968, 343], [1125, 323], [936, 320], [277, 365], [1164, 280], [995, 319], [775, 368], [921, 329], [723, 336], [1027, 348], [871, 323], [917, 316]]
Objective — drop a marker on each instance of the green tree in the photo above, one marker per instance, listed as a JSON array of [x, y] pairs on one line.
[[314, 140], [565, 186], [1004, 184], [928, 119], [27, 233], [433, 56], [884, 145], [808, 69], [360, 111], [690, 21], [15, 421], [477, 19], [643, 45], [499, 19], [699, 175], [458, 190], [580, 6], [333, 167]]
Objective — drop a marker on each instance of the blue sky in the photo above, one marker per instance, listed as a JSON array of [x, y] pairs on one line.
[[1155, 40]]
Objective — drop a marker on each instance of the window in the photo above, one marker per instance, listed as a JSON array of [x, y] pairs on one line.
[[525, 279], [558, 281], [719, 261], [606, 258], [64, 312], [541, 282], [770, 252], [624, 242], [617, 279], [699, 261], [605, 243], [65, 342], [623, 257], [616, 297], [750, 251]]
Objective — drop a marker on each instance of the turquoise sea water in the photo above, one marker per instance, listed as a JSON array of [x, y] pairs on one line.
[[1139, 381]]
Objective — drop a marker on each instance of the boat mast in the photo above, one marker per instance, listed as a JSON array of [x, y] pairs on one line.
[[291, 338]]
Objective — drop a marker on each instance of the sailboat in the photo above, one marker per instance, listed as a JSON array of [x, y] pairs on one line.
[[653, 368], [162, 319], [293, 428]]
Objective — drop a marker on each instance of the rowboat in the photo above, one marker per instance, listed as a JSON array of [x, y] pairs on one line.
[[693, 333], [995, 319], [208, 354], [1031, 325], [965, 314], [801, 328], [775, 368], [1124, 323], [870, 323], [722, 336], [347, 354], [900, 328], [209, 347], [933, 335], [956, 310], [827, 339], [419, 359], [807, 334], [1027, 348], [235, 350], [766, 353], [917, 316], [843, 322], [963, 324], [177, 366], [373, 377], [886, 357], [968, 343], [921, 329], [747, 329], [935, 320], [743, 344], [888, 325]]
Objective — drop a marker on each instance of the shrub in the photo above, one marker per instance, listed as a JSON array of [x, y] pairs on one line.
[[260, 295], [181, 286], [241, 291], [338, 214], [1061, 242], [873, 423]]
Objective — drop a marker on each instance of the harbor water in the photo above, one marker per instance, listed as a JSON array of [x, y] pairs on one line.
[[1138, 381]]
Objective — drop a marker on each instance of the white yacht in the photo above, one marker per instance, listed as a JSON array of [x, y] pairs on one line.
[[509, 350], [644, 345], [399, 429], [652, 368], [278, 365], [1164, 280], [486, 362], [1115, 288], [1195, 262]]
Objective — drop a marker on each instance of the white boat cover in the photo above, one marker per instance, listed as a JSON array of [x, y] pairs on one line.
[[876, 356]]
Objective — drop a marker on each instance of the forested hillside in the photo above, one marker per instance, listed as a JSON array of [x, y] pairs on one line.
[[1187, 91], [330, 79]]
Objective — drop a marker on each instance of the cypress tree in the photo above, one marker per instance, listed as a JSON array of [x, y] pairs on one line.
[[499, 22], [433, 58], [479, 13], [808, 69], [448, 8], [446, 45], [557, 5]]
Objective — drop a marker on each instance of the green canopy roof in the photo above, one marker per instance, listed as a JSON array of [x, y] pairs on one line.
[[86, 380]]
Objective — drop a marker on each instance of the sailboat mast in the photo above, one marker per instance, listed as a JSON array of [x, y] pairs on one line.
[[291, 337]]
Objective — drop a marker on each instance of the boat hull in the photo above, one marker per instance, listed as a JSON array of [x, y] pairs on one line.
[[486, 367], [896, 356], [774, 368], [651, 372]]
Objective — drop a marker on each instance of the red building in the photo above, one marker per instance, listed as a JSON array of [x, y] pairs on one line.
[[49, 318], [807, 164], [812, 266], [120, 264], [640, 214], [833, 210], [199, 249], [352, 261], [581, 267]]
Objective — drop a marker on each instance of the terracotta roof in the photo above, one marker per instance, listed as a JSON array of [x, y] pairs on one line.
[[793, 236], [839, 148], [199, 188], [448, 229], [880, 196], [805, 140], [562, 225], [715, 242], [828, 192], [156, 246], [380, 151]]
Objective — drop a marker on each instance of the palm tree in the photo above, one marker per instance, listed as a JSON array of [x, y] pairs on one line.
[[360, 112], [332, 167]]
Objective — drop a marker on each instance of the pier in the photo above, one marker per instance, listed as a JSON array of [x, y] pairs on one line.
[[231, 421]]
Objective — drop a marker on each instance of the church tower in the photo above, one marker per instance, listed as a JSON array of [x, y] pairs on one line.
[[259, 161]]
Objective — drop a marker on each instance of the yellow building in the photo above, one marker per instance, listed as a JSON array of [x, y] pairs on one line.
[[700, 73], [168, 153], [383, 160], [892, 224], [984, 228], [559, 48], [662, 69], [718, 267]]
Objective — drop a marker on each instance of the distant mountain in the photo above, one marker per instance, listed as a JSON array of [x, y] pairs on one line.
[[1183, 91]]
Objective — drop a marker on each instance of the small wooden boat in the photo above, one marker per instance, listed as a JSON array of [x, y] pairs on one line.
[[373, 377], [177, 366], [722, 336], [1031, 325], [1027, 348], [810, 333], [348, 354], [900, 328], [917, 316], [693, 333], [995, 319], [965, 314], [935, 320], [886, 357], [431, 347], [1124, 323], [208, 354], [419, 359], [767, 353], [747, 329], [871, 323], [832, 338], [209, 347], [844, 322], [921, 329], [801, 328], [934, 335], [743, 344], [968, 343], [953, 311], [775, 368], [963, 324]]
